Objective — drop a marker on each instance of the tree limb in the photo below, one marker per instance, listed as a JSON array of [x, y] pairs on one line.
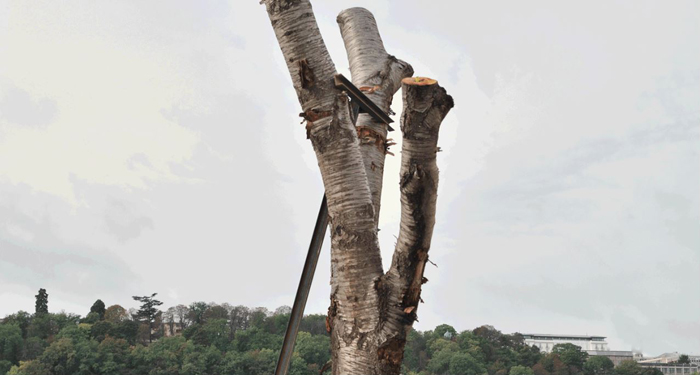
[[379, 75], [355, 256], [425, 106]]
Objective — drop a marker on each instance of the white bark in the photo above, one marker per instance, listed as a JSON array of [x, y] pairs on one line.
[[425, 106], [355, 257], [370, 313], [380, 75]]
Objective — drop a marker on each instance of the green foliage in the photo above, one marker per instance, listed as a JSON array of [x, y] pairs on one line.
[[222, 339], [116, 314], [22, 318], [313, 349], [683, 359], [148, 311], [520, 370], [91, 318], [196, 312], [99, 308], [571, 355], [465, 364], [42, 302], [598, 365], [10, 343], [5, 366]]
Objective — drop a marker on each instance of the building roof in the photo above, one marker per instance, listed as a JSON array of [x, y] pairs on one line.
[[562, 336], [619, 353]]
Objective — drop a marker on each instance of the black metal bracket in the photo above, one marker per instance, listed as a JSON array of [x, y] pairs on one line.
[[360, 102]]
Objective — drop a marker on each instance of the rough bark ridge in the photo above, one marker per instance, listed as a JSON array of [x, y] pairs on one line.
[[379, 75], [370, 313], [355, 257], [425, 106]]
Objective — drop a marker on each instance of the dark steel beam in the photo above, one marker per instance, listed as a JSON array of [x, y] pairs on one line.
[[359, 98], [307, 277]]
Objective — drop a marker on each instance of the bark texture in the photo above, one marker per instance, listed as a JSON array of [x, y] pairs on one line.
[[425, 105], [370, 313], [379, 75], [355, 258]]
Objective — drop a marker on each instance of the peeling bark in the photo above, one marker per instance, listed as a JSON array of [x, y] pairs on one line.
[[378, 75], [355, 258], [370, 313], [425, 106]]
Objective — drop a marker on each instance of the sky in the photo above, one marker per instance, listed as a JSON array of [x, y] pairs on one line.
[[155, 147]]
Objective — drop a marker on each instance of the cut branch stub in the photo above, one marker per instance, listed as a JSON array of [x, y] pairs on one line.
[[425, 106]]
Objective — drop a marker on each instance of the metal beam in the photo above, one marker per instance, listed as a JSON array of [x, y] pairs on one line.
[[359, 98], [307, 277]]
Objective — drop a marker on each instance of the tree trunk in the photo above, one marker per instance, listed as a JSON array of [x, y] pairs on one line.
[[367, 317], [425, 105], [379, 75]]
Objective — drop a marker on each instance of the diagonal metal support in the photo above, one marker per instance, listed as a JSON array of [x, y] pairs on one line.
[[359, 103], [307, 277], [359, 99]]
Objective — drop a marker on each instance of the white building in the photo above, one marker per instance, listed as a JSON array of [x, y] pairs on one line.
[[546, 342]]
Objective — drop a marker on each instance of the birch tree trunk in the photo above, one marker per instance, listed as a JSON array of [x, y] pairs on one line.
[[355, 257], [425, 105], [369, 313], [379, 75]]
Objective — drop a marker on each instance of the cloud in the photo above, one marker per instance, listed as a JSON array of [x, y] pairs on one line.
[[19, 107]]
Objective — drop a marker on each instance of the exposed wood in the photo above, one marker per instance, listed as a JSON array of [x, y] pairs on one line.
[[370, 313]]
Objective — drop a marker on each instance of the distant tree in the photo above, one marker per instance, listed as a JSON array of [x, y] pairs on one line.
[[169, 318], [215, 312], [181, 314], [520, 370], [283, 310], [22, 318], [598, 365], [63, 319], [553, 364], [196, 312], [10, 343], [239, 318], [42, 326], [99, 308], [445, 331], [112, 356], [257, 317], [148, 311], [101, 329], [91, 318], [5, 366], [628, 367], [127, 330], [313, 348], [116, 314], [465, 364], [571, 355], [32, 349], [42, 302], [683, 359]]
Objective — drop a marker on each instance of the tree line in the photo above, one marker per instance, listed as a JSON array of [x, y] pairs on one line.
[[224, 339]]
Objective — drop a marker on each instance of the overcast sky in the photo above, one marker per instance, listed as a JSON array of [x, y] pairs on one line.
[[155, 147]]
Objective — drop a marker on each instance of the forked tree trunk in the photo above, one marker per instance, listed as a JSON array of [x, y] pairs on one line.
[[369, 314]]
